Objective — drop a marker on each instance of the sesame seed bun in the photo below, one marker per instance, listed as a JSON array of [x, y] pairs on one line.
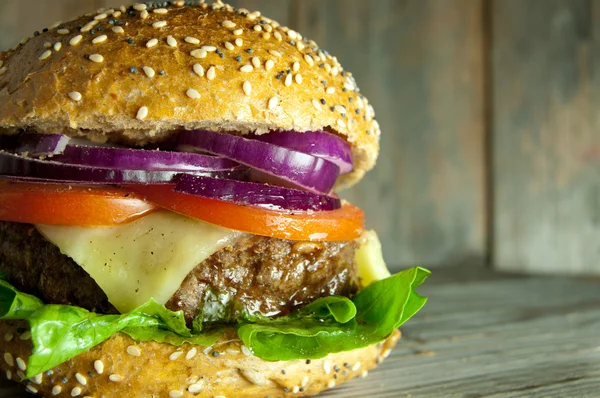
[[136, 75], [121, 367]]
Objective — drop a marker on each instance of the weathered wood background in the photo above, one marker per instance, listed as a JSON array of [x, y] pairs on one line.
[[491, 143]]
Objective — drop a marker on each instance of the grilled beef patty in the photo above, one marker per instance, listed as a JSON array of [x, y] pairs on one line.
[[256, 275]]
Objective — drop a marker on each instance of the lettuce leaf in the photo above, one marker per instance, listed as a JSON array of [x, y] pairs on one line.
[[327, 325], [380, 309]]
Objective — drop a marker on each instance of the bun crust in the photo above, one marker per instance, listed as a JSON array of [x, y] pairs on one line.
[[150, 369], [97, 75]]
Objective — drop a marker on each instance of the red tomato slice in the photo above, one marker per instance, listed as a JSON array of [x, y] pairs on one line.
[[69, 205], [346, 223]]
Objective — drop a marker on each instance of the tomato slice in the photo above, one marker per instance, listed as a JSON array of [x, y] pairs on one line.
[[60, 204], [346, 223]]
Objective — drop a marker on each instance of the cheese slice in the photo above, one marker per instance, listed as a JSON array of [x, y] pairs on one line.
[[369, 259], [147, 258]]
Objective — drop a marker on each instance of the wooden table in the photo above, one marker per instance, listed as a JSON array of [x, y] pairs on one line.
[[488, 334]]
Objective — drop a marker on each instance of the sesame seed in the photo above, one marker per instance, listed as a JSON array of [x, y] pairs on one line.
[[273, 102], [199, 53], [100, 39], [247, 87], [211, 73], [341, 123], [309, 60], [159, 24], [133, 350], [300, 45], [295, 390], [198, 69], [305, 381], [191, 40], [387, 353], [56, 390], [238, 32], [269, 64], [8, 358], [63, 31], [330, 90], [356, 366], [133, 69], [25, 336], [228, 24], [278, 36], [118, 29], [140, 7], [45, 55], [268, 27], [209, 49], [160, 11], [288, 80], [327, 367], [8, 336], [96, 58], [247, 68], [171, 41], [331, 384], [257, 28], [32, 389], [150, 73], [115, 377], [195, 388], [151, 42], [254, 377], [335, 71], [239, 42], [99, 366], [142, 113], [275, 53], [229, 46], [296, 66], [100, 16], [207, 350], [75, 95], [175, 355], [80, 379], [21, 364], [175, 394], [364, 373], [292, 34], [256, 62], [193, 94], [317, 105], [117, 14], [246, 351], [57, 46], [266, 35]]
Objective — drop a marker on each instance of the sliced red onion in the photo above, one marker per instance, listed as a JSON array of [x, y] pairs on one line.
[[297, 168], [28, 169], [42, 144], [249, 193], [140, 159], [316, 143]]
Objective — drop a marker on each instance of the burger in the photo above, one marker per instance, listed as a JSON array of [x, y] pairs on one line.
[[168, 214]]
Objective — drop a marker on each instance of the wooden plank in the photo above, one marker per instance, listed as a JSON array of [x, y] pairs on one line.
[[20, 18], [488, 335], [420, 62], [546, 136]]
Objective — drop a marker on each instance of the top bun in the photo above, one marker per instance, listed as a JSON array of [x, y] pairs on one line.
[[136, 74]]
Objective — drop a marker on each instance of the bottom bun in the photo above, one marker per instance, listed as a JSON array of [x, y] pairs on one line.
[[122, 367]]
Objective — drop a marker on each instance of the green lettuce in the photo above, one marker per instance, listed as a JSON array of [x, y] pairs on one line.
[[327, 325]]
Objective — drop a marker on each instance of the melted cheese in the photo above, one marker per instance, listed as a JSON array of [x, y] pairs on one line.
[[369, 259], [147, 258]]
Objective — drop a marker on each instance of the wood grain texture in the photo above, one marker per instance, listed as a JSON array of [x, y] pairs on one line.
[[20, 18], [488, 335], [421, 65], [546, 135]]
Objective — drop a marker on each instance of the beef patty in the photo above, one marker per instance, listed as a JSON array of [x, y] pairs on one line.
[[256, 275]]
